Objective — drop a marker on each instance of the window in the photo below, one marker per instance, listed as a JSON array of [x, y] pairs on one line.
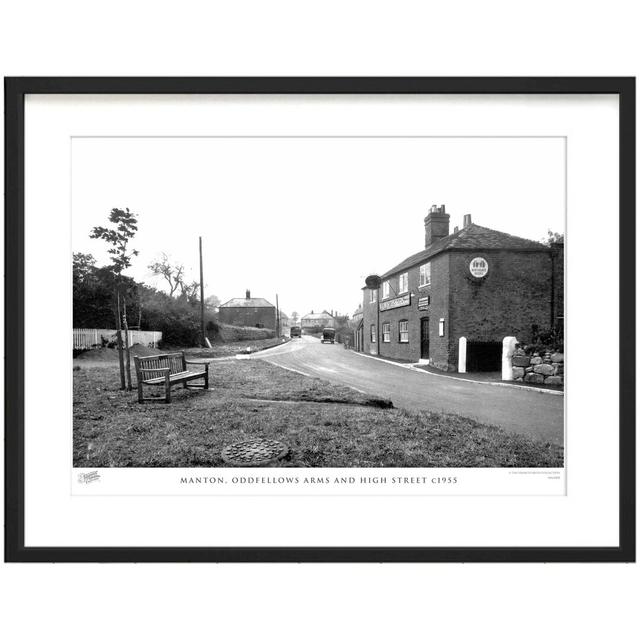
[[425, 274], [403, 327], [386, 332], [373, 333], [373, 295], [403, 284], [385, 289]]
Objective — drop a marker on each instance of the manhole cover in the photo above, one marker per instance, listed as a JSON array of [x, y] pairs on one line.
[[254, 453]]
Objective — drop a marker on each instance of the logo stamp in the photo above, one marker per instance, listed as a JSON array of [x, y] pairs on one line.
[[87, 478]]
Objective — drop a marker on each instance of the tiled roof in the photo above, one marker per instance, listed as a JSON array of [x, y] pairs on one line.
[[247, 302], [471, 237], [317, 316]]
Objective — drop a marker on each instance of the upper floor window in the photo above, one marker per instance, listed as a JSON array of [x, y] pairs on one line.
[[385, 289], [403, 283], [425, 274], [373, 295]]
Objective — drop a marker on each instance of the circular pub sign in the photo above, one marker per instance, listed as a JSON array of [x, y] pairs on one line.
[[479, 267]]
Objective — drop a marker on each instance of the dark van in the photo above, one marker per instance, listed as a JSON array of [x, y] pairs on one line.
[[295, 332], [328, 335]]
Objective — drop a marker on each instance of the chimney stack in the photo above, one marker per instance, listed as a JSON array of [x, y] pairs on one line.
[[436, 225], [466, 221], [248, 294]]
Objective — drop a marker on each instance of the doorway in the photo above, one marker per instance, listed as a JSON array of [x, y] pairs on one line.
[[424, 338]]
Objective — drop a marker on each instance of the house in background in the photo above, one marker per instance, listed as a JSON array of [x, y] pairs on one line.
[[284, 324], [317, 320], [248, 312], [357, 325]]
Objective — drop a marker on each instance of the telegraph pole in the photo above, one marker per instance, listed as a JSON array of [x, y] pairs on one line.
[[277, 317], [204, 344]]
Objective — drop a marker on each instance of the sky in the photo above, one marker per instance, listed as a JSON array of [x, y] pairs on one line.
[[306, 218]]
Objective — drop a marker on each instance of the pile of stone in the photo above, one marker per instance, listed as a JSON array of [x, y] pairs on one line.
[[541, 367]]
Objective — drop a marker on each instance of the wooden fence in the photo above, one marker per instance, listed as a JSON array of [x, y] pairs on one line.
[[94, 338]]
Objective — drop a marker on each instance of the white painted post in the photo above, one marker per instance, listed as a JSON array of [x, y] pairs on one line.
[[462, 355], [508, 349]]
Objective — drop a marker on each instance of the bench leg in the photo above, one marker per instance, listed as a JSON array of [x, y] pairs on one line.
[[167, 391], [140, 398], [206, 377]]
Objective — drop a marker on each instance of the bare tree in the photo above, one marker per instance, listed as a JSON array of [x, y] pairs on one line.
[[173, 274], [190, 291]]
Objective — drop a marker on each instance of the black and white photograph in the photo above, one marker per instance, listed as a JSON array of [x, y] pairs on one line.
[[359, 316], [318, 301]]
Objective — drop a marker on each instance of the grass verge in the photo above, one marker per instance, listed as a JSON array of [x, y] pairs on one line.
[[324, 425]]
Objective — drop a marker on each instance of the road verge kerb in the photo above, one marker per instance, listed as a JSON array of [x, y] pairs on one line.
[[414, 367]]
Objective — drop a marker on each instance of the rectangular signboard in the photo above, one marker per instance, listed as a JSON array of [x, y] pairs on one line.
[[394, 303]]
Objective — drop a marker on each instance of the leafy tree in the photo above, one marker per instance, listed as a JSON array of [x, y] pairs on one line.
[[553, 237], [94, 305], [211, 303], [83, 266], [177, 318], [94, 302], [124, 227]]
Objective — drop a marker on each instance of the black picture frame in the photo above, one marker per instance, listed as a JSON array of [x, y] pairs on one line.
[[15, 91]]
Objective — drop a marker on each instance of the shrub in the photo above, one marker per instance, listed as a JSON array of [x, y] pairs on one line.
[[233, 333]]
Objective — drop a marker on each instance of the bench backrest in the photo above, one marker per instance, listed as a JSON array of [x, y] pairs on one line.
[[147, 366]]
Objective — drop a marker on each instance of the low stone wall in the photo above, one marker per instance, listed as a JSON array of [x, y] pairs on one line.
[[540, 367]]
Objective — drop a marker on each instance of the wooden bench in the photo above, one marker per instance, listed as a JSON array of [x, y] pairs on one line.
[[168, 369]]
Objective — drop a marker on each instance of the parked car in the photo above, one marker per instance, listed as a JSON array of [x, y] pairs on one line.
[[295, 332], [328, 335]]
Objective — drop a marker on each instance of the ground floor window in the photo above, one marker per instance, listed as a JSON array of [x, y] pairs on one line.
[[386, 332], [373, 333], [403, 327]]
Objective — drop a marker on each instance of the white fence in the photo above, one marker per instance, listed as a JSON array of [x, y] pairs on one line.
[[93, 338]]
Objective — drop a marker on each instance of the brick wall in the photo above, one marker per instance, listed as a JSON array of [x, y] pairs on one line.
[[248, 316], [438, 293], [368, 317], [439, 308], [513, 296]]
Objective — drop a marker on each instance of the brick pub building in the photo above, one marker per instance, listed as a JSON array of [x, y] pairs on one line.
[[248, 312], [475, 283]]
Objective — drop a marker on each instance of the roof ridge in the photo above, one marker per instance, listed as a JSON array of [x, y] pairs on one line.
[[456, 240]]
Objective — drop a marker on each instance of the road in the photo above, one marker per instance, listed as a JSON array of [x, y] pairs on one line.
[[539, 415]]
